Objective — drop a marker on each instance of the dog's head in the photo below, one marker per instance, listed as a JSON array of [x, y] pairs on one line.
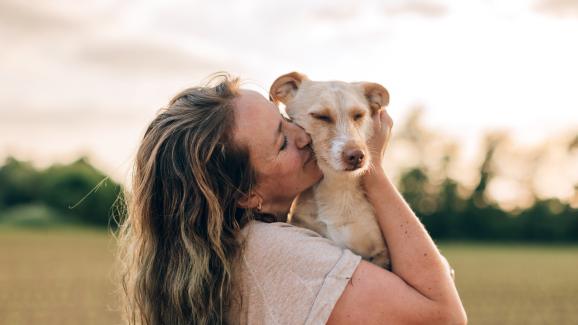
[[336, 114]]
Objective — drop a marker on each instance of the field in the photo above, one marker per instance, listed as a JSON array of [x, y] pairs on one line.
[[516, 284], [56, 277], [65, 277]]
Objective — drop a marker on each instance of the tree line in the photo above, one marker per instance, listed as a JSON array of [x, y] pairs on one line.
[[450, 210], [448, 215], [78, 193], [75, 193]]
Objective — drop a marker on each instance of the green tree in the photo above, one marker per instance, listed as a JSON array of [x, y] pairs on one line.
[[18, 183], [81, 191]]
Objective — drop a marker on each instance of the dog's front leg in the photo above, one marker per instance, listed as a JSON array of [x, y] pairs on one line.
[[362, 238]]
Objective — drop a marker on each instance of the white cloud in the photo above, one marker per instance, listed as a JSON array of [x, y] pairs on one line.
[[559, 8]]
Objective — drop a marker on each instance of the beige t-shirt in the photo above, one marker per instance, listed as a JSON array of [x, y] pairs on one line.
[[288, 275]]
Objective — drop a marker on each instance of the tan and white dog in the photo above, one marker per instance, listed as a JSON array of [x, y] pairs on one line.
[[338, 117]]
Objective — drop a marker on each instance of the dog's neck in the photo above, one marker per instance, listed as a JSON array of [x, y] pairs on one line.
[[343, 181], [339, 198]]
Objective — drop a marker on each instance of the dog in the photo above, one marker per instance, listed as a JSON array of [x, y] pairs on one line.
[[338, 117]]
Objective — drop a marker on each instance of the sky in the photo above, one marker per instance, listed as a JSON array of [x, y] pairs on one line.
[[85, 78]]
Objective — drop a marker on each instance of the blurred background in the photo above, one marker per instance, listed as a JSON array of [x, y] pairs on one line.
[[485, 146]]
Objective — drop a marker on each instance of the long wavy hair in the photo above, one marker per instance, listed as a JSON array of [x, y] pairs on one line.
[[178, 242]]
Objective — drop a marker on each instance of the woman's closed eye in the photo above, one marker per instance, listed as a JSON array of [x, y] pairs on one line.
[[284, 144], [285, 140]]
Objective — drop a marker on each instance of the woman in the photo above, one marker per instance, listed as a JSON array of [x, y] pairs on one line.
[[205, 240]]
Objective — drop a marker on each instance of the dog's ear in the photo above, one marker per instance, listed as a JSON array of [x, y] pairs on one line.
[[377, 96], [285, 87]]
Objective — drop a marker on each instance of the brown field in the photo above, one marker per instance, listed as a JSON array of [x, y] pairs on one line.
[[56, 277], [516, 284], [65, 277]]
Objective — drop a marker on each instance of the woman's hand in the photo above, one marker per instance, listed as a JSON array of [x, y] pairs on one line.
[[420, 287], [382, 125]]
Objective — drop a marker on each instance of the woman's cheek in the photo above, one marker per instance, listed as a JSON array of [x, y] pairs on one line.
[[291, 165], [297, 161]]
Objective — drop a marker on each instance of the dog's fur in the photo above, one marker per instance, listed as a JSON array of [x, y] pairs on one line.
[[338, 116]]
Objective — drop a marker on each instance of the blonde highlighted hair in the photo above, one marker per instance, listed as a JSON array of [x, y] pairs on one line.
[[178, 242]]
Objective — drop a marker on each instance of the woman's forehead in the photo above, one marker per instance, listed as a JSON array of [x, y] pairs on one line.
[[256, 119]]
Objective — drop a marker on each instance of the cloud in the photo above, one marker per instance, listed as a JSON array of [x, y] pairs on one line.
[[559, 8], [34, 21], [420, 8], [340, 13], [135, 56]]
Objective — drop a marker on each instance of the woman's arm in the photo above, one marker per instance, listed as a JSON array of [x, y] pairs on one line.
[[420, 289]]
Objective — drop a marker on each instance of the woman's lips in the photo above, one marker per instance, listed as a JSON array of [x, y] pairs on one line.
[[310, 155]]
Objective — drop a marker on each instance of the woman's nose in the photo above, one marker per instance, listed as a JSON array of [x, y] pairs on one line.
[[302, 139]]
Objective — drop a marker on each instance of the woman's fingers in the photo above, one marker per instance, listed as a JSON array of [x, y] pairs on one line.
[[386, 119], [382, 124]]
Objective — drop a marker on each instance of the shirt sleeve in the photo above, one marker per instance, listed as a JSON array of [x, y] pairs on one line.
[[296, 273]]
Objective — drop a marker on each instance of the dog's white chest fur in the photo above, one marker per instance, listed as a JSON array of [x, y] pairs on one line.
[[337, 209]]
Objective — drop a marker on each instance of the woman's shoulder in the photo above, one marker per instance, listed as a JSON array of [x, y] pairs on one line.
[[283, 243], [276, 228], [279, 233], [287, 265]]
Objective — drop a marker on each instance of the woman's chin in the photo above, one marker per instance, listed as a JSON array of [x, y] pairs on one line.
[[318, 174]]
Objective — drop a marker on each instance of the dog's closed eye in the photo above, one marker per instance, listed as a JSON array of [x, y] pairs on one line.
[[358, 116], [322, 117]]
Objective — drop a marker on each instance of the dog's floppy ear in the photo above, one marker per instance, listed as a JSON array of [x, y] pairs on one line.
[[376, 95], [285, 87]]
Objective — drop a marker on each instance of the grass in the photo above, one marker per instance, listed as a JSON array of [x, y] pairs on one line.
[[56, 277], [64, 276], [516, 284]]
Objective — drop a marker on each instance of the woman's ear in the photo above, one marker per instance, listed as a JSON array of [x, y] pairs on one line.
[[250, 201]]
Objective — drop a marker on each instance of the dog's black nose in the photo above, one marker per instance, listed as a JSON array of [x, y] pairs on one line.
[[353, 158]]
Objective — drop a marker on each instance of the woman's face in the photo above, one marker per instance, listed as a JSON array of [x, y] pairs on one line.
[[279, 151]]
